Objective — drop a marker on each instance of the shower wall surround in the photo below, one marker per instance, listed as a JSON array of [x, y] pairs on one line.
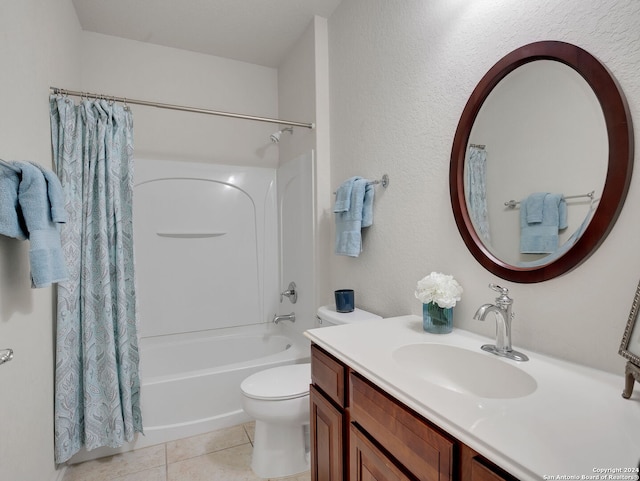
[[206, 246]]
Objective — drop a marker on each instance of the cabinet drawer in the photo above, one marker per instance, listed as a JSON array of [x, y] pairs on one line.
[[422, 449], [328, 374], [481, 472], [367, 462]]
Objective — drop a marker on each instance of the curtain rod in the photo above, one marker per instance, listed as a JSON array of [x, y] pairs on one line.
[[146, 103]]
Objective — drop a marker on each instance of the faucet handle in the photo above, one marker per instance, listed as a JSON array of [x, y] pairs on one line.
[[502, 290], [504, 294], [291, 293]]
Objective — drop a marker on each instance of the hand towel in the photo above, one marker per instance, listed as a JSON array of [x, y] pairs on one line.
[[45, 251], [343, 195], [367, 205], [349, 223], [543, 237], [562, 250], [11, 220], [533, 207]]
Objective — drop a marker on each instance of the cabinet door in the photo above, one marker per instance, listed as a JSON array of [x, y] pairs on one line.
[[368, 463], [327, 459]]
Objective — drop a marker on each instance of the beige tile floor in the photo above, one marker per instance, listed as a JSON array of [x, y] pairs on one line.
[[223, 455]]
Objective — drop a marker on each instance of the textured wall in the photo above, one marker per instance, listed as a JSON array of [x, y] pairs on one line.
[[400, 75]]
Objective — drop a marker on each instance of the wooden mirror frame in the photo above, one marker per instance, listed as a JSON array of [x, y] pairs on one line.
[[620, 163]]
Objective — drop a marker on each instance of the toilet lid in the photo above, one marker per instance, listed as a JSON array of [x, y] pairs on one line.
[[278, 383]]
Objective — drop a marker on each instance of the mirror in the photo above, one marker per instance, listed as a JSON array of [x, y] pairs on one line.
[[584, 145]]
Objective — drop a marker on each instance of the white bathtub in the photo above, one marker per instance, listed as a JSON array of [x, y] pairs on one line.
[[191, 382]]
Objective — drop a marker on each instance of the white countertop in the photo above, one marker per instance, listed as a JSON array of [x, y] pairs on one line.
[[574, 425]]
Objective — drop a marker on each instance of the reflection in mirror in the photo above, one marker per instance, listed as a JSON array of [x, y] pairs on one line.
[[546, 125], [540, 130]]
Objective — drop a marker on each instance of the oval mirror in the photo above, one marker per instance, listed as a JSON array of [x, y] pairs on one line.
[[541, 162]]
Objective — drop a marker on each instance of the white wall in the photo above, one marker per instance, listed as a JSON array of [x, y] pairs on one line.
[[127, 68], [38, 48], [400, 75], [303, 95]]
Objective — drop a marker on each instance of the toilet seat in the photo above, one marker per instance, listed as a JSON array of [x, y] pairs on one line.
[[278, 383]]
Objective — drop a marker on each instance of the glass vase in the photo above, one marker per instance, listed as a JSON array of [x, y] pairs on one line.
[[436, 319]]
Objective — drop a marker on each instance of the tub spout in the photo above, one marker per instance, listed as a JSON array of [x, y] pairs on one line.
[[285, 317]]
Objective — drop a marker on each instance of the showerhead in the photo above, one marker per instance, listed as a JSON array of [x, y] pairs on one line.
[[275, 137]]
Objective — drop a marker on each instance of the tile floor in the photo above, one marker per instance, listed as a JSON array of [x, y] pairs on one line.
[[223, 455]]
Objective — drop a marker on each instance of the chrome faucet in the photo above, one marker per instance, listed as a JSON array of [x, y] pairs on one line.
[[285, 317], [504, 316]]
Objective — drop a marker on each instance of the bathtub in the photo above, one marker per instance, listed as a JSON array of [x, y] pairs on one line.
[[191, 381]]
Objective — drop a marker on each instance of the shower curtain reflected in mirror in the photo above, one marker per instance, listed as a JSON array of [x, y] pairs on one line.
[[97, 386], [475, 183]]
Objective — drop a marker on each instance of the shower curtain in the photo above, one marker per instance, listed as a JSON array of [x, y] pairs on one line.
[[476, 190], [97, 386]]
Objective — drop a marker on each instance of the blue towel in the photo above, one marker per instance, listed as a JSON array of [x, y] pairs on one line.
[[562, 250], [367, 206], [11, 220], [542, 237], [45, 252], [349, 223], [343, 195], [55, 195], [533, 207]]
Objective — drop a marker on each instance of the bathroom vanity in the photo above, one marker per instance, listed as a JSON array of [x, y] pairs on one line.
[[380, 410]]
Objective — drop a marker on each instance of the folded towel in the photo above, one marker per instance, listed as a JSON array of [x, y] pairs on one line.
[[45, 251], [533, 207], [55, 195], [543, 237], [349, 223], [562, 250], [11, 220], [343, 195], [367, 205]]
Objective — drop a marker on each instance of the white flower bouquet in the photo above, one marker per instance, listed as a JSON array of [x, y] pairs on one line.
[[440, 288]]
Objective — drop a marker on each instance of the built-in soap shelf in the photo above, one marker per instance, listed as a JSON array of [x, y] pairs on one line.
[[189, 235]]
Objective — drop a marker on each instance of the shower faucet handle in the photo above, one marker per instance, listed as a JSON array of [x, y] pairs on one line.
[[291, 293]]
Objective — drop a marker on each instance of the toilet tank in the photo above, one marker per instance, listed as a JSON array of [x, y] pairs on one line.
[[328, 316]]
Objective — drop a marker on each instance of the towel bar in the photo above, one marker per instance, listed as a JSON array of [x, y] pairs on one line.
[[512, 203], [384, 182]]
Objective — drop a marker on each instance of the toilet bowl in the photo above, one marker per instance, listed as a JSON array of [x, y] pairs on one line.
[[278, 399]]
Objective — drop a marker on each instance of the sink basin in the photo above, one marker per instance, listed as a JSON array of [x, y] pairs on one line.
[[465, 371]]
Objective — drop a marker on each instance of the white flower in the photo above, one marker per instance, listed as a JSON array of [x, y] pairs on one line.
[[442, 289]]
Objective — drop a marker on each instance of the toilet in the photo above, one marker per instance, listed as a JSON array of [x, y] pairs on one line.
[[278, 399]]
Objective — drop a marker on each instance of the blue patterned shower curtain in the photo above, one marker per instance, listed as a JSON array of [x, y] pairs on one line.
[[97, 386], [475, 183]]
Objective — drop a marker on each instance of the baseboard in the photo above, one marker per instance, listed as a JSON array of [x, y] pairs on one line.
[[59, 473]]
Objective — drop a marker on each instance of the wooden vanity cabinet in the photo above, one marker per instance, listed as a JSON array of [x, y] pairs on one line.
[[361, 433], [328, 425]]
